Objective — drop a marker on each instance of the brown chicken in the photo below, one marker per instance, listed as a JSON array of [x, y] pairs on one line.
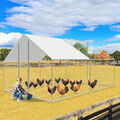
[[76, 88], [62, 91]]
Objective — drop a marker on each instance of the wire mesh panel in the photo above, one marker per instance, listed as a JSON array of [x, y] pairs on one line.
[[40, 71], [10, 75], [23, 73], [70, 72], [61, 78], [103, 71]]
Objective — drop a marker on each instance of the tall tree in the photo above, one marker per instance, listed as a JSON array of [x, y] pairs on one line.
[[82, 48], [116, 56], [3, 53], [104, 55]]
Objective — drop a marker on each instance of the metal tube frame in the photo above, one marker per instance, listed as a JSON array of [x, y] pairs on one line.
[[114, 74], [52, 80], [18, 61], [40, 70], [83, 93], [66, 71], [87, 70], [108, 86], [28, 66], [90, 75]]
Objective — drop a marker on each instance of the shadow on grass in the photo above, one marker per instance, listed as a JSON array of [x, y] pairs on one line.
[[33, 100]]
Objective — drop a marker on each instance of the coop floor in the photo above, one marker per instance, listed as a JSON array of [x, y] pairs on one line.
[[42, 92], [40, 110]]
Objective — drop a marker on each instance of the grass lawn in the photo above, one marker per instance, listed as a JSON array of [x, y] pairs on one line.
[[40, 110]]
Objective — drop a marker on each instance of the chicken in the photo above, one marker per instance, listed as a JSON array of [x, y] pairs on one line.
[[34, 85], [57, 80], [40, 82], [77, 82], [72, 83], [76, 88], [62, 91], [52, 90], [30, 84], [65, 82], [48, 82], [92, 84]]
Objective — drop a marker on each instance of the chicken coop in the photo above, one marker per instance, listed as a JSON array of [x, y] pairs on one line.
[[53, 70]]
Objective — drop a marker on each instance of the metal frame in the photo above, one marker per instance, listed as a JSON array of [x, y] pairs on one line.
[[52, 80], [83, 93], [18, 60], [28, 66], [88, 70], [40, 69]]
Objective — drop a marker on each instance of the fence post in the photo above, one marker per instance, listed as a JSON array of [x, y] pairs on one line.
[[80, 118], [110, 110]]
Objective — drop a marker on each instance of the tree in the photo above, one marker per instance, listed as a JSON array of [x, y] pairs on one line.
[[3, 53], [96, 56], [104, 55], [81, 48], [116, 56]]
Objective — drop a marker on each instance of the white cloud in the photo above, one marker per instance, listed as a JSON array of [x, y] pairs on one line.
[[110, 48], [115, 38], [54, 17], [116, 27], [8, 39], [88, 29]]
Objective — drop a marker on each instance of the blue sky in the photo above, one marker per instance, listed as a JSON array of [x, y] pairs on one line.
[[98, 21]]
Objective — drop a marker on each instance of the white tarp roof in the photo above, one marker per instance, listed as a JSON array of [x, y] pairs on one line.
[[39, 47]]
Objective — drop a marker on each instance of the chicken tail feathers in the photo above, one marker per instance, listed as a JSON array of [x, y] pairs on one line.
[[26, 83], [48, 82], [40, 82], [72, 83], [66, 89], [52, 91], [57, 80]]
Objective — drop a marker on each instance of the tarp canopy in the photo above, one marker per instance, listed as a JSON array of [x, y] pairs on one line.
[[35, 48]]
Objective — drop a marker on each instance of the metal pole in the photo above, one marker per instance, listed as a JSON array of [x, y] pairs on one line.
[[40, 70], [52, 81], [87, 71], [66, 70], [3, 76], [114, 74], [28, 66], [90, 74], [90, 71], [18, 61]]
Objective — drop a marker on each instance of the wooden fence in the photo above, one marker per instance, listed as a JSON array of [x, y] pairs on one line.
[[104, 115]]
